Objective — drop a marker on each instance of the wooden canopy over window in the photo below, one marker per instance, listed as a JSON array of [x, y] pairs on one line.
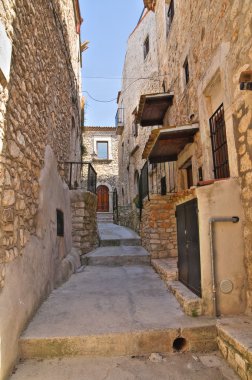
[[152, 108], [150, 4], [165, 144]]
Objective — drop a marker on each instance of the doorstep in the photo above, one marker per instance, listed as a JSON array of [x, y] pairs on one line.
[[168, 271], [190, 302]]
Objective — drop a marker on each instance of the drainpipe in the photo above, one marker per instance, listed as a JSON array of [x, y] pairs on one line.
[[233, 219]]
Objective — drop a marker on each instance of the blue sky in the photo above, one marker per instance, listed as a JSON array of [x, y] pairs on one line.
[[107, 25]]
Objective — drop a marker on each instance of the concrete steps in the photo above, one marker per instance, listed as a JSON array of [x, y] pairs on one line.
[[117, 256], [117, 306], [141, 342], [104, 217], [112, 235]]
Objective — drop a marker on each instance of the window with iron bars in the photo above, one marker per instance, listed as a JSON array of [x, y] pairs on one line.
[[135, 128], [169, 17], [219, 144]]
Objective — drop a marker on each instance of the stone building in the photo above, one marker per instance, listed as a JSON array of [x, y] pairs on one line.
[[101, 148], [40, 88], [140, 76], [197, 149]]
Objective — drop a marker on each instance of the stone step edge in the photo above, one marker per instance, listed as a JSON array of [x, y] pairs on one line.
[[119, 242], [165, 274], [198, 339], [191, 304], [238, 356]]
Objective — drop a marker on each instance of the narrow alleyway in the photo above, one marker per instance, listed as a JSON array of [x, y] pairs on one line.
[[117, 306]]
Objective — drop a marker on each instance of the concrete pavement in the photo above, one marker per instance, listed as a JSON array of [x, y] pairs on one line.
[[173, 367]]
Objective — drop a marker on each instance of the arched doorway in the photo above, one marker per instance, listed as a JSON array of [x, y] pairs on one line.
[[102, 198]]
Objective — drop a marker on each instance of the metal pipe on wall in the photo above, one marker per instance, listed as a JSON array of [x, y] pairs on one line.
[[233, 219]]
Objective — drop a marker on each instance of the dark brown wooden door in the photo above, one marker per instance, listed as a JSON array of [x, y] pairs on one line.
[[188, 246], [102, 199]]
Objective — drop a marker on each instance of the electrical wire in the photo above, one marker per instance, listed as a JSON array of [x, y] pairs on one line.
[[114, 99]]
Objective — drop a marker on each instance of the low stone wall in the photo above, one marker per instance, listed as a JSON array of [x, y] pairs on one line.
[[84, 224], [158, 228], [128, 216]]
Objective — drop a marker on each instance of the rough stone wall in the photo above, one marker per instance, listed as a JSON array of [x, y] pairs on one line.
[[38, 112], [84, 225], [128, 216], [158, 228], [107, 170], [135, 66], [38, 105], [216, 40]]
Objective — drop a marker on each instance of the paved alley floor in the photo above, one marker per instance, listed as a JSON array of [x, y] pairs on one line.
[[110, 231], [110, 299], [107, 319], [172, 367]]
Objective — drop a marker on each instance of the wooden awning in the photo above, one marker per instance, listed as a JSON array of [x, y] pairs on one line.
[[152, 108], [150, 4], [165, 144]]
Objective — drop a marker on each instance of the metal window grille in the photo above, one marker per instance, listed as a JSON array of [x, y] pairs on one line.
[[219, 144]]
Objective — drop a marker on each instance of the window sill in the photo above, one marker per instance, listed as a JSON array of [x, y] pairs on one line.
[[102, 160]]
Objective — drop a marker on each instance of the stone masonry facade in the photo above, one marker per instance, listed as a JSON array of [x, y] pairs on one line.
[[106, 169], [40, 88], [216, 52], [36, 111], [158, 228], [131, 144], [84, 224]]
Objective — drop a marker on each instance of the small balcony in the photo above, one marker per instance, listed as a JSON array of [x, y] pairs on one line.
[[119, 121]]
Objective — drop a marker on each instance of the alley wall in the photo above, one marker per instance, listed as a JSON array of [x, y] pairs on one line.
[[39, 126]]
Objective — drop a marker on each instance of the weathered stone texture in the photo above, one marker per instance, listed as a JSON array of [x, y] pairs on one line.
[[158, 228], [128, 216], [37, 108], [107, 170], [84, 225], [217, 53], [39, 126], [140, 76]]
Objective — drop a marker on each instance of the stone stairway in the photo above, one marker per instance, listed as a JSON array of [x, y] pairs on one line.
[[117, 306], [104, 217]]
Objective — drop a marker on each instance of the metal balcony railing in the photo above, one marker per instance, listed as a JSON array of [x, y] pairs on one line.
[[158, 178], [79, 175]]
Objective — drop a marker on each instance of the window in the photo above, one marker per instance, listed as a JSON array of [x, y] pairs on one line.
[[60, 223], [102, 150], [146, 46], [200, 174], [163, 186], [135, 128], [186, 70], [169, 18], [219, 144]]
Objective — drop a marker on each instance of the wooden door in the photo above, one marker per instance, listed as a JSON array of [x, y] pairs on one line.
[[188, 245], [102, 199]]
